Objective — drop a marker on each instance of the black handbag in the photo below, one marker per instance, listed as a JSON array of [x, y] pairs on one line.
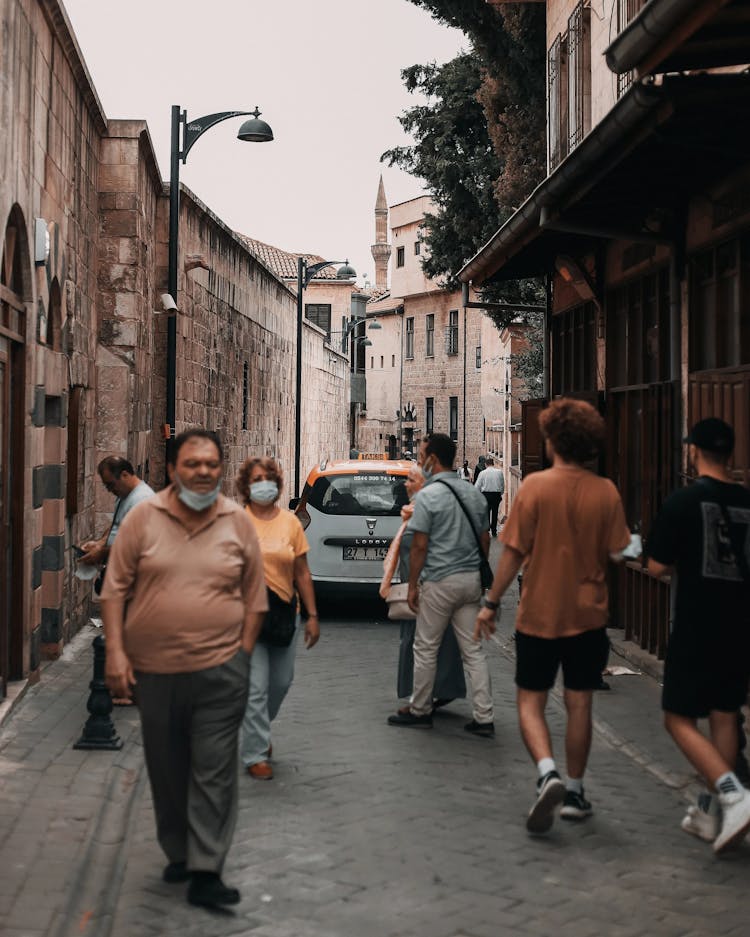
[[280, 622], [485, 570]]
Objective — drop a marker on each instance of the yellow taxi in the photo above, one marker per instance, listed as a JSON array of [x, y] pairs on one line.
[[351, 511]]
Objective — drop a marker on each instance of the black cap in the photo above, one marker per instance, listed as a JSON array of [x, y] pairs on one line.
[[712, 435]]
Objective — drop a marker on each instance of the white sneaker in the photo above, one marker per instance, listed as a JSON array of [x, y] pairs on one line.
[[735, 819], [701, 824]]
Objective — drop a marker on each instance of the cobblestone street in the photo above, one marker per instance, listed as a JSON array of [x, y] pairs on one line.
[[366, 829]]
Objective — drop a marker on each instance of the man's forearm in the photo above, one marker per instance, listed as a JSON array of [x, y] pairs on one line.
[[251, 629], [113, 616], [417, 557], [507, 569]]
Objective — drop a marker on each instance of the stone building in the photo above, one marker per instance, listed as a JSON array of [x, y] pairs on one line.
[[428, 358], [83, 336], [643, 226]]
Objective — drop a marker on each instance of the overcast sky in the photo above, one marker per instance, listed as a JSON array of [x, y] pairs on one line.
[[326, 76]]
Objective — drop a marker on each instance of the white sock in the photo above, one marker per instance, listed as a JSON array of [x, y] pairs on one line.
[[575, 785], [728, 783], [545, 765]]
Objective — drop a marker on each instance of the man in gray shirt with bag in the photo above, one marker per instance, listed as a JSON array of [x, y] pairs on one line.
[[451, 539]]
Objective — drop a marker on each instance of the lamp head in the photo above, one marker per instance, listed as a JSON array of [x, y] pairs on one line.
[[375, 325], [346, 272], [255, 130]]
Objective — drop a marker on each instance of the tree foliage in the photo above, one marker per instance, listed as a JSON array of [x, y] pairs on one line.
[[479, 138]]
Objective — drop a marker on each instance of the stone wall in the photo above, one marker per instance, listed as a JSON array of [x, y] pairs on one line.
[[85, 215]]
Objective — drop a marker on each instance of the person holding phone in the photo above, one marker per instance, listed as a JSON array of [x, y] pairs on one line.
[[119, 478]]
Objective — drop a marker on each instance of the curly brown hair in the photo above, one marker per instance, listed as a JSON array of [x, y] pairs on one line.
[[575, 429], [269, 465]]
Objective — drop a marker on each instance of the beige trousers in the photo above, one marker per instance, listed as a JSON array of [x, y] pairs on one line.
[[455, 600]]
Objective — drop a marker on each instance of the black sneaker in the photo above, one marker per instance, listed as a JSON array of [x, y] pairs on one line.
[[207, 890], [485, 729], [409, 720], [550, 793], [575, 806]]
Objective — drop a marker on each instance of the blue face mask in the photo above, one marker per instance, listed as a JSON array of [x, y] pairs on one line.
[[265, 492], [427, 472], [195, 500]]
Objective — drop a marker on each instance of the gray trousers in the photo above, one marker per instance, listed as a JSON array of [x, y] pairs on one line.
[[190, 724]]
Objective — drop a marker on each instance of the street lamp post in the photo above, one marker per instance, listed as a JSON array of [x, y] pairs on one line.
[[184, 136], [305, 273]]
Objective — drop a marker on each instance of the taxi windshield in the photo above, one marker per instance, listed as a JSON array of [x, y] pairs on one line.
[[375, 494]]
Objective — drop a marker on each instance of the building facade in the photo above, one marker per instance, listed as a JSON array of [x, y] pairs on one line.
[[427, 365], [642, 226], [83, 335]]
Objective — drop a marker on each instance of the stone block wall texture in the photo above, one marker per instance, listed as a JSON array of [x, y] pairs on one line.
[[92, 381]]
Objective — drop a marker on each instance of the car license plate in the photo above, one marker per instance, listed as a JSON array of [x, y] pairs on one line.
[[365, 553]]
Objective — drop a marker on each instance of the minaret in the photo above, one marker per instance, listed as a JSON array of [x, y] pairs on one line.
[[381, 249]]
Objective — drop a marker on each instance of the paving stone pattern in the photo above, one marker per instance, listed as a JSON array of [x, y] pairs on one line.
[[366, 830], [380, 832]]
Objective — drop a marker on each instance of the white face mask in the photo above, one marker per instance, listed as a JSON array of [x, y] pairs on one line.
[[195, 500], [265, 492]]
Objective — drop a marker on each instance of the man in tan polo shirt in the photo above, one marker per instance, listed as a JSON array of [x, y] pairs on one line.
[[565, 524], [182, 604]]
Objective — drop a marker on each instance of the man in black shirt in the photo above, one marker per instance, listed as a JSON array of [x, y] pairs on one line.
[[703, 532]]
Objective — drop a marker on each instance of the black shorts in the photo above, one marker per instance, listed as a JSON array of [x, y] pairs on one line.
[[583, 657], [694, 686]]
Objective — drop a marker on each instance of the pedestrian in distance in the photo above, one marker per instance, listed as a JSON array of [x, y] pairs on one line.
[[284, 549], [491, 483], [703, 533], [464, 472], [119, 478], [450, 683], [564, 526], [183, 603], [479, 467], [449, 528]]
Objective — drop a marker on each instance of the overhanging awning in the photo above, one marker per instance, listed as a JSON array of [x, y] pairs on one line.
[[678, 35], [631, 178]]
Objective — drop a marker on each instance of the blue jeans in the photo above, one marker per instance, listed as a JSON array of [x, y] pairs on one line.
[[271, 675]]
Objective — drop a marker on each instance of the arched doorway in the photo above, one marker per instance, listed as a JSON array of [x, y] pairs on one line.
[[15, 284]]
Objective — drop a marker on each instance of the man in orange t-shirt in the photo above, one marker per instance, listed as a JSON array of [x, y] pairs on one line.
[[566, 523]]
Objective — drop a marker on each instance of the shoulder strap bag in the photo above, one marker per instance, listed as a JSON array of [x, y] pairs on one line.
[[485, 570]]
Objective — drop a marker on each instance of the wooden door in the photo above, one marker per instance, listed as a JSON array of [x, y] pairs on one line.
[[533, 458]]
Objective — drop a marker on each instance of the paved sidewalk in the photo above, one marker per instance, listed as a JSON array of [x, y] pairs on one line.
[[366, 829]]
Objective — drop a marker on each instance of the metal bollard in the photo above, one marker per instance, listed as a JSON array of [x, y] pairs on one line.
[[99, 730]]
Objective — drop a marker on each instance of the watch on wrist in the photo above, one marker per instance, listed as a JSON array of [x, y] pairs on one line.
[[488, 603]]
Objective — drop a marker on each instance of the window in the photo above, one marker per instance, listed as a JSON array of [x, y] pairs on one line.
[[430, 335], [626, 11], [579, 75], [451, 333], [245, 393], [417, 248], [574, 349], [372, 362], [719, 290], [409, 351], [569, 87], [393, 361], [320, 314], [638, 331], [453, 418], [375, 494], [381, 361], [429, 418], [399, 256], [478, 358]]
